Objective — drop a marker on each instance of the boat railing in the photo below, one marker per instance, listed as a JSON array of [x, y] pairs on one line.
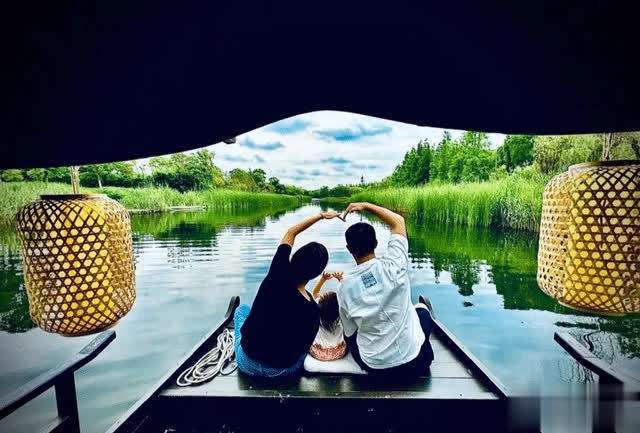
[[469, 358], [611, 382], [62, 379], [471, 361], [130, 421]]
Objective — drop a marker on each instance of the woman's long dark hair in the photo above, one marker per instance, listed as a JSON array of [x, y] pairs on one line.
[[309, 262]]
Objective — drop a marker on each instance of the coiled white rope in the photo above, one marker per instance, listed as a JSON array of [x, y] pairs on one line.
[[219, 360]]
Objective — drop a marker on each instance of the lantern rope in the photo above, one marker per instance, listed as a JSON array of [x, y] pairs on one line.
[[219, 360]]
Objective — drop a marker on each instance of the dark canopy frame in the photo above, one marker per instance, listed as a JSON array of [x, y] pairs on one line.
[[120, 80]]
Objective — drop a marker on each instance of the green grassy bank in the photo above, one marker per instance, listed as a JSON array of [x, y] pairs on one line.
[[513, 202], [13, 195], [334, 200]]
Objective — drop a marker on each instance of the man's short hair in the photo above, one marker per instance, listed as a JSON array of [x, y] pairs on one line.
[[361, 239], [309, 262]]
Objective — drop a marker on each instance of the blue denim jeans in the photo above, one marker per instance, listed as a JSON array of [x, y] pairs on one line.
[[250, 366]]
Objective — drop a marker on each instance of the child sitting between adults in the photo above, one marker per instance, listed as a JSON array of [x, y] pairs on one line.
[[329, 343]]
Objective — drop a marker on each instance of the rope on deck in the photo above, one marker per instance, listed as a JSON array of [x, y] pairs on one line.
[[219, 360]]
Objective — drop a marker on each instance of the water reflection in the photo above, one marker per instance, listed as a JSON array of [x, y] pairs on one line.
[[14, 307], [196, 228], [186, 236], [509, 262], [481, 282]]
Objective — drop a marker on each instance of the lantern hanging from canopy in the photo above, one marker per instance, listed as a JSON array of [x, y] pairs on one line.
[[590, 237], [78, 262]]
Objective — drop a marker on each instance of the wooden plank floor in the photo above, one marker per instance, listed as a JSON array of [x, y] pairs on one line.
[[449, 379]]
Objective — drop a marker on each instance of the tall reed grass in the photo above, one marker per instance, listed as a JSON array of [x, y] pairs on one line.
[[512, 202], [13, 195], [159, 199]]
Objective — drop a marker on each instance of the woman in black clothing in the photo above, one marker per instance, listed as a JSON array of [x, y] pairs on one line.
[[273, 337]]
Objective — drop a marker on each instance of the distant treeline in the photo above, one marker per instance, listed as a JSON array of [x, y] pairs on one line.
[[340, 191], [464, 182], [14, 195], [470, 159], [181, 171], [450, 161]]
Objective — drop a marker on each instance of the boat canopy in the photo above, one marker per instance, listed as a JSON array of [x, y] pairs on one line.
[[96, 82]]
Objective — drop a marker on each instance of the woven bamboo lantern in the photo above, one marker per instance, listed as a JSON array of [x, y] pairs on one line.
[[78, 262], [590, 237]]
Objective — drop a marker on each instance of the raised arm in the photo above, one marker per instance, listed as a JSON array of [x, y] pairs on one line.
[[393, 220], [323, 279], [290, 235]]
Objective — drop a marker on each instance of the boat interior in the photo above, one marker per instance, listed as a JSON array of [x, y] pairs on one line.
[[456, 384]]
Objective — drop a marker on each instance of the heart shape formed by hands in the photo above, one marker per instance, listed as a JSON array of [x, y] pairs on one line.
[[353, 207], [330, 214]]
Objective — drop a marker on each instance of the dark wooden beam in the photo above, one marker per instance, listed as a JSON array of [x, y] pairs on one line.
[[588, 359], [60, 377], [611, 383]]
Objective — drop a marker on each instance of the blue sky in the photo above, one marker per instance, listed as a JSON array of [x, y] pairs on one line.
[[327, 148]]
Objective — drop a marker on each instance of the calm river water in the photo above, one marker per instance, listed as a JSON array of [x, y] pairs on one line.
[[481, 283]]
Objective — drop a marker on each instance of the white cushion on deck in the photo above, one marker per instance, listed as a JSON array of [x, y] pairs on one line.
[[346, 365]]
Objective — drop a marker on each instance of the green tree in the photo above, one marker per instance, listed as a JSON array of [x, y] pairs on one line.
[[516, 151], [35, 174], [276, 186], [241, 180], [336, 191], [455, 165], [112, 173], [324, 192], [11, 175], [92, 175], [340, 191], [186, 171], [622, 145], [554, 154], [546, 154], [58, 174], [441, 157], [415, 168], [474, 140], [295, 190], [467, 159], [632, 142], [478, 160], [477, 166], [259, 177]]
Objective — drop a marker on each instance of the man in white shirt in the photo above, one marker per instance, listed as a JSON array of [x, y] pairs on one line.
[[384, 331]]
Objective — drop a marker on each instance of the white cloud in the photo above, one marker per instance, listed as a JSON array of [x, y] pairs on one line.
[[328, 148]]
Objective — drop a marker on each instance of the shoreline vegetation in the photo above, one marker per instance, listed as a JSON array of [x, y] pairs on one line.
[[458, 181], [463, 181], [514, 202], [14, 195]]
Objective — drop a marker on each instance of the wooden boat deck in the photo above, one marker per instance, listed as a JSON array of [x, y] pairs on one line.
[[458, 394], [449, 379]]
